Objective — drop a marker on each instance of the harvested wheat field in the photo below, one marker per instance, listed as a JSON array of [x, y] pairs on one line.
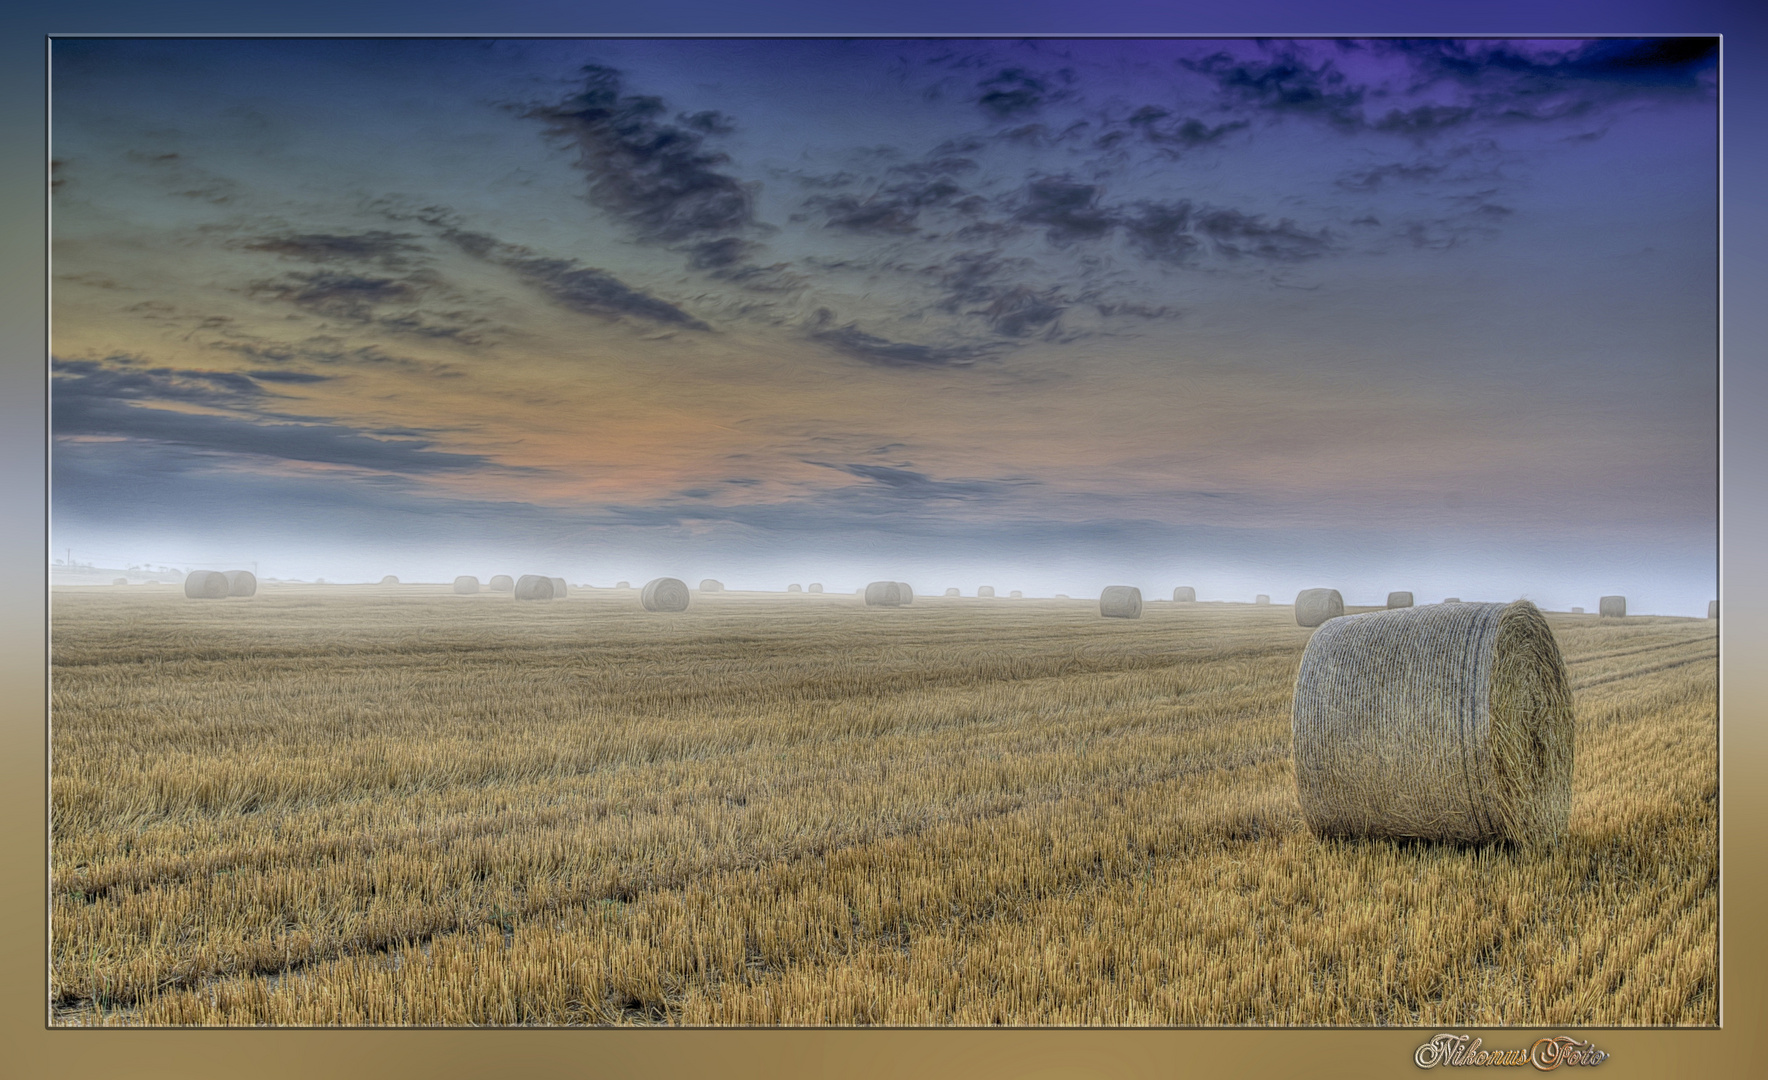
[[376, 807]]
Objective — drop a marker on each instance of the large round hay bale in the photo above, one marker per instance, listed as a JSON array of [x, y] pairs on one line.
[[795, 588], [559, 588], [1712, 609], [1435, 722], [1016, 595], [985, 590], [883, 594], [952, 592], [1315, 606], [502, 583], [1185, 594], [665, 594], [1614, 607], [241, 582], [907, 594], [816, 588], [205, 585], [1121, 602], [709, 585], [1261, 599], [466, 585], [390, 580], [120, 581], [1399, 599], [534, 587]]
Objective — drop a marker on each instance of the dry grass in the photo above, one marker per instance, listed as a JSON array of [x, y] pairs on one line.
[[337, 806]]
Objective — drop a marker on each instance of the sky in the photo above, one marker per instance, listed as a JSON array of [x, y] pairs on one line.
[[1250, 316]]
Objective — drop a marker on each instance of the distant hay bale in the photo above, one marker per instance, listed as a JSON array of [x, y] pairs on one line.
[[908, 594], [1261, 599], [1399, 599], [1613, 607], [1120, 602], [533, 587], [711, 586], [1451, 599], [1061, 596], [883, 594], [1577, 611], [985, 590], [1015, 595], [623, 584], [559, 588], [125, 581], [502, 583], [390, 580], [816, 588], [205, 585], [952, 592], [665, 594], [1315, 606], [241, 583], [794, 588], [466, 585], [1185, 594], [1712, 608], [1436, 723]]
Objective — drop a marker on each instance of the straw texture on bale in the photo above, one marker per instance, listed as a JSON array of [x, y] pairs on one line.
[[1261, 598], [534, 587], [205, 585], [390, 580], [1437, 723], [952, 592], [1712, 607], [502, 583], [1121, 602], [665, 594], [1185, 594], [709, 585], [883, 594], [466, 585], [816, 588], [1399, 599], [559, 588], [794, 588], [1614, 607], [985, 590], [1016, 595], [1315, 606]]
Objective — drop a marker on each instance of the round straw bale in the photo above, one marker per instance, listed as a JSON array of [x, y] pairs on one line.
[[816, 588], [1261, 599], [1061, 596], [1712, 607], [241, 582], [466, 585], [1185, 594], [205, 585], [907, 594], [120, 581], [559, 588], [389, 580], [623, 584], [1614, 607], [883, 594], [1121, 602], [1016, 595], [985, 590], [952, 592], [1435, 722], [665, 594], [534, 587], [794, 588], [1577, 611], [709, 585], [502, 583], [1451, 599], [1399, 599], [1315, 606]]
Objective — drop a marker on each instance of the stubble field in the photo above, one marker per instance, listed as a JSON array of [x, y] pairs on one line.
[[360, 805]]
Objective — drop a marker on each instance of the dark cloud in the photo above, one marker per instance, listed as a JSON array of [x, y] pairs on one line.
[[339, 295], [853, 342], [388, 248], [1012, 92], [1162, 231], [1373, 179], [1286, 83], [288, 376], [1424, 121], [596, 292], [1236, 234], [125, 378], [1156, 125], [1639, 63], [658, 176], [1067, 209], [896, 205], [906, 483]]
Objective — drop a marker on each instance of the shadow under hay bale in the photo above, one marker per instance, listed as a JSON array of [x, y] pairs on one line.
[[559, 588], [1184, 594], [1613, 607], [1399, 599], [664, 594], [883, 594], [390, 580], [985, 590], [466, 585], [709, 585], [205, 585], [502, 583], [1435, 723], [1314, 606], [533, 587], [1120, 602]]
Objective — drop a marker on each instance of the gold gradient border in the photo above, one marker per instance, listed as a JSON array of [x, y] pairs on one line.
[[28, 1048]]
